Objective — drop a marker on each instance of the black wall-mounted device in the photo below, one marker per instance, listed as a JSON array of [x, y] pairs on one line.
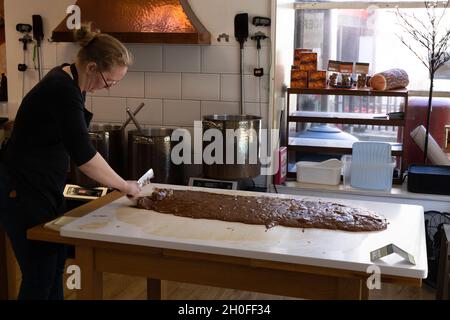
[[261, 21], [241, 28], [38, 30], [258, 37], [24, 28]]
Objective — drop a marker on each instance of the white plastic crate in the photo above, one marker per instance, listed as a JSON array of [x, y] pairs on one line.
[[371, 176]]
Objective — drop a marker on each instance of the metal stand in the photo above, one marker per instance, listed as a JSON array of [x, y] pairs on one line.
[[443, 283]]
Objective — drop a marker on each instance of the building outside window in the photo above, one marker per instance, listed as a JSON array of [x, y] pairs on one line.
[[359, 31]]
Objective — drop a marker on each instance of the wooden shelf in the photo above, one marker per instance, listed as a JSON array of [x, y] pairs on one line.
[[293, 176], [331, 146], [344, 118], [340, 147], [350, 92]]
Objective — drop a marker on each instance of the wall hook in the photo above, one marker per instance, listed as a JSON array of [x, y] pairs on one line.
[[223, 36]]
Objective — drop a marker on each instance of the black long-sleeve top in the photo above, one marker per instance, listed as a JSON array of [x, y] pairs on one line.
[[51, 125]]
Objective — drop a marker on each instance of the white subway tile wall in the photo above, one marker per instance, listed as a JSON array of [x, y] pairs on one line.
[[219, 107], [251, 59], [253, 109], [163, 85], [264, 87], [251, 89], [179, 84], [200, 86], [132, 85], [218, 59], [150, 114], [31, 78], [181, 58], [48, 54], [109, 109], [264, 111], [65, 52], [146, 58], [230, 87], [181, 112]]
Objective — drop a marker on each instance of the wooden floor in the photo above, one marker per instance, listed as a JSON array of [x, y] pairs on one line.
[[119, 287]]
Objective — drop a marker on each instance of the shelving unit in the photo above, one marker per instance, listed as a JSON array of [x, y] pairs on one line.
[[306, 145]]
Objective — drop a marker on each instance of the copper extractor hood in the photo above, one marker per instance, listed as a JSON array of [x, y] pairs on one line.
[[140, 21]]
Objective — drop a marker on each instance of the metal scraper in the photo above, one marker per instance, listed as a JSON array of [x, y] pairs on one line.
[[142, 182], [145, 179]]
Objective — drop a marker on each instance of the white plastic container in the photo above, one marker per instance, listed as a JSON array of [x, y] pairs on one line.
[[370, 176], [346, 169], [327, 172]]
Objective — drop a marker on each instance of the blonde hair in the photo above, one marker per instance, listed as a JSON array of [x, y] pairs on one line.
[[103, 49]]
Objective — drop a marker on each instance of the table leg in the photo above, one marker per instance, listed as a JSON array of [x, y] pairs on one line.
[[91, 280], [364, 290], [352, 289], [154, 289], [14, 275]]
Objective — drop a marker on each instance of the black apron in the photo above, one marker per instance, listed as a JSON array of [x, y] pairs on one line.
[[33, 208], [87, 114]]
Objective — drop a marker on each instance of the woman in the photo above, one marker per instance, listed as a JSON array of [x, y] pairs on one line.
[[52, 125]]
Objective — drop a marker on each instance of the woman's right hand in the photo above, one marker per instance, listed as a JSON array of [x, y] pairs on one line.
[[131, 189]]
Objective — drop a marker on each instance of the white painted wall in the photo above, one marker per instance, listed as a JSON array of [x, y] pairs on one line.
[[178, 83], [283, 34], [20, 12], [283, 53]]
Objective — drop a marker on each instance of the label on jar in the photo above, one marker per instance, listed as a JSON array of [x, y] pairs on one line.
[[333, 65], [361, 68], [346, 67]]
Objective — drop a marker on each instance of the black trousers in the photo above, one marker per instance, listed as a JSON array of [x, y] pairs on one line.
[[41, 263]]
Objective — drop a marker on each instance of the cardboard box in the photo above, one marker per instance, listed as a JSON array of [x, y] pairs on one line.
[[307, 61], [297, 53], [317, 79], [280, 176], [299, 78]]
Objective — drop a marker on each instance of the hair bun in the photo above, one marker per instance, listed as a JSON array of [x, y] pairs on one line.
[[106, 51], [84, 35]]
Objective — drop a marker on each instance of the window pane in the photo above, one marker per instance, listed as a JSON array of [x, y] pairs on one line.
[[368, 35]]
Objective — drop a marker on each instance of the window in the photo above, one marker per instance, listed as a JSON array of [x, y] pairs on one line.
[[363, 32]]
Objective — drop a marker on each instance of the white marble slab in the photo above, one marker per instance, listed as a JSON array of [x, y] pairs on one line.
[[120, 223]]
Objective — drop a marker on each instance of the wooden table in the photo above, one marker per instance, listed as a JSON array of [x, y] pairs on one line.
[[156, 264]]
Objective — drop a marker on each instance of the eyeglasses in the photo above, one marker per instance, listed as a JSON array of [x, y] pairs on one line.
[[107, 86]]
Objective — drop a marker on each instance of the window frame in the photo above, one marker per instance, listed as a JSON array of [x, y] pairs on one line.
[[329, 5], [321, 5]]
